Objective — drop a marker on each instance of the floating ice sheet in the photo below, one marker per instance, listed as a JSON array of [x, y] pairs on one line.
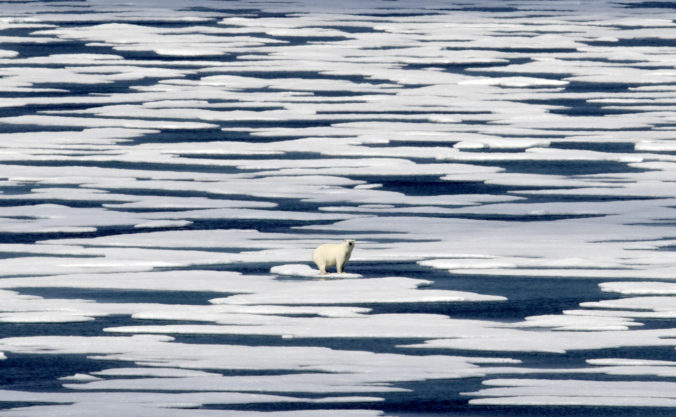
[[513, 340], [640, 288], [303, 270], [576, 392]]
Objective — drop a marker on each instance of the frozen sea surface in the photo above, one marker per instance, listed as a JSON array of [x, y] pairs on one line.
[[508, 170]]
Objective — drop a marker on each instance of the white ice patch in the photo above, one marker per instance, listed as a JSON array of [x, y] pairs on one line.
[[293, 383], [184, 203], [44, 317], [362, 326], [492, 338], [640, 287], [515, 82], [168, 404], [629, 362], [163, 223], [662, 304], [349, 291], [303, 270], [81, 378], [151, 372], [655, 146], [578, 323], [224, 312], [575, 392], [88, 122]]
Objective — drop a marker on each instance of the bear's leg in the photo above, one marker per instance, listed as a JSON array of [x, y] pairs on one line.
[[340, 264], [322, 268]]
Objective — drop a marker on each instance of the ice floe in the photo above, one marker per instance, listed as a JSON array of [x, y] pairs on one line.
[[514, 340], [576, 392], [303, 270], [640, 288]]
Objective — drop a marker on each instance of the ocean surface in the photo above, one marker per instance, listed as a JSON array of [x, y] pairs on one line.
[[507, 169]]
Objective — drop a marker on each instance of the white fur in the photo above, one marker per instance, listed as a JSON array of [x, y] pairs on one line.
[[330, 254]]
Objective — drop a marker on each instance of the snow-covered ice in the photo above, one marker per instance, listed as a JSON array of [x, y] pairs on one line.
[[167, 168]]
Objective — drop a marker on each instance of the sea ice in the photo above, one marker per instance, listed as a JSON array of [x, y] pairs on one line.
[[640, 288], [575, 392], [303, 270], [169, 147]]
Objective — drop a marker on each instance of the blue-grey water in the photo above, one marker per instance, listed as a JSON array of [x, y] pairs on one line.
[[506, 168]]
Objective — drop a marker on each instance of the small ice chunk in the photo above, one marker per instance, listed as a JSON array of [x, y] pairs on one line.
[[80, 378], [629, 362], [302, 270], [163, 223]]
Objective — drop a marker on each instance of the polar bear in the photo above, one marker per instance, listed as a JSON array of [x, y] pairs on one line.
[[330, 254]]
